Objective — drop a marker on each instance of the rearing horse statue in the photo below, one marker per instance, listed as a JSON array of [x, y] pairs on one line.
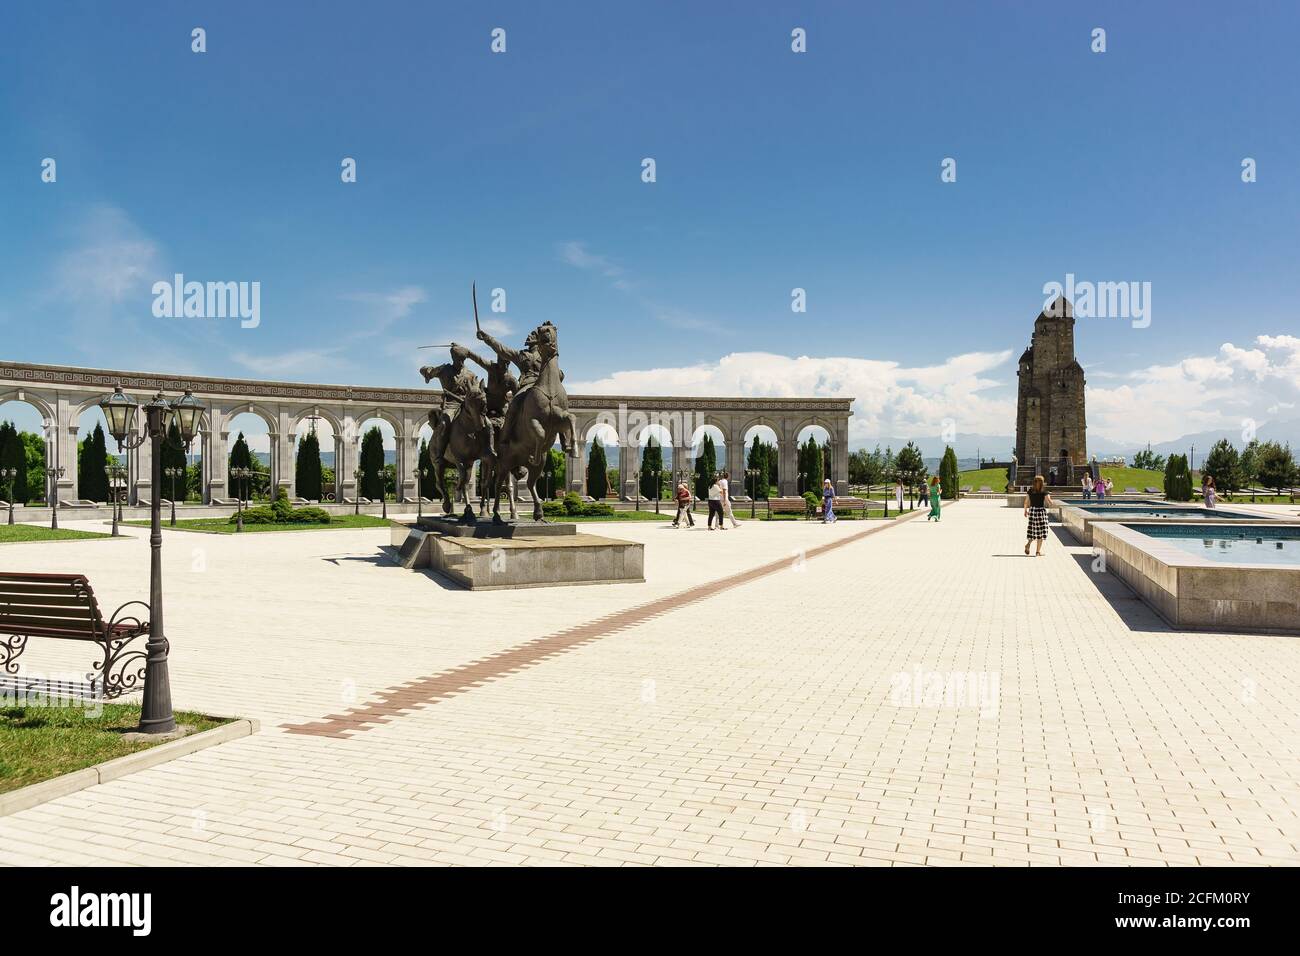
[[538, 414]]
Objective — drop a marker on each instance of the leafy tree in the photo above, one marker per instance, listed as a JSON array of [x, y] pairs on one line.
[[194, 481], [34, 457], [372, 464], [307, 470], [553, 473], [652, 467], [1222, 464], [909, 467], [706, 466], [1277, 468], [13, 454], [597, 471], [1178, 479], [1248, 464], [948, 473], [1146, 459]]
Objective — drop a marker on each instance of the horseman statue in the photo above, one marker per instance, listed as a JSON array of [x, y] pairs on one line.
[[462, 433], [507, 427]]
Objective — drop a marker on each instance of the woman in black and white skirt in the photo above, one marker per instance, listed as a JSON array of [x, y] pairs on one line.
[[1037, 501]]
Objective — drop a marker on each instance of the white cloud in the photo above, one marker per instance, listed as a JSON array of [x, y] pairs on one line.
[[1199, 393], [577, 254], [890, 399], [112, 261], [388, 307]]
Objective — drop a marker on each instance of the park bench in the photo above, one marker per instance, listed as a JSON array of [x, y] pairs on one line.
[[985, 490], [787, 506], [1131, 491], [965, 489], [63, 607], [1153, 491], [844, 504]]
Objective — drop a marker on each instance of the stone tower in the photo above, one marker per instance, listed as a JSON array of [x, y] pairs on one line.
[[1051, 428]]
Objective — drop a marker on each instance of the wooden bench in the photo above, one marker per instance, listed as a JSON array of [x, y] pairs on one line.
[[787, 506], [1153, 491], [63, 607]]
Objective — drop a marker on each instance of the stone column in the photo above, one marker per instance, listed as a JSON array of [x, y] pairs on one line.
[[65, 451], [287, 477], [576, 472], [840, 456]]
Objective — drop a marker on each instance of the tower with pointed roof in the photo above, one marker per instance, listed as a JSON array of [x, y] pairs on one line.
[[1051, 427]]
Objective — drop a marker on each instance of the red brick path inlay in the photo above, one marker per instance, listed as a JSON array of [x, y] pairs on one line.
[[424, 691]]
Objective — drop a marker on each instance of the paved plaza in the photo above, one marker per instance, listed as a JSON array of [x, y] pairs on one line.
[[767, 696]]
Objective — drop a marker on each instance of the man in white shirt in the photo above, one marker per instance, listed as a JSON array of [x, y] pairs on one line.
[[725, 483]]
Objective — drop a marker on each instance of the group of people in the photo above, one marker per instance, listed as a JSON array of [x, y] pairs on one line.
[[719, 503], [1100, 487], [933, 490]]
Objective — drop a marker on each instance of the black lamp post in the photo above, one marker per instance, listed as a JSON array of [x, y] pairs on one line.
[[383, 492], [116, 485], [636, 476], [419, 474], [752, 474], [358, 475], [52, 476], [654, 477], [119, 410], [173, 473], [9, 475]]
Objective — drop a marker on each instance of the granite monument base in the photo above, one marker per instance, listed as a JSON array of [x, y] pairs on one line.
[[518, 556]]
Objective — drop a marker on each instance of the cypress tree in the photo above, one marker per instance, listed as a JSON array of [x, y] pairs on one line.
[[948, 473], [427, 474], [597, 471], [372, 463], [652, 460], [706, 466], [756, 487], [92, 457], [307, 469]]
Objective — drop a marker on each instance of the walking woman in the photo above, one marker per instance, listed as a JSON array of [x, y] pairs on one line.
[[683, 497], [715, 505], [828, 502], [898, 493], [934, 499], [1037, 501], [1211, 493]]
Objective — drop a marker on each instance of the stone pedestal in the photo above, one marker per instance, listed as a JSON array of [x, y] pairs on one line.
[[482, 556]]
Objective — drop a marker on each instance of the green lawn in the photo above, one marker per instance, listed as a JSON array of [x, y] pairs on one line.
[[1137, 478], [222, 526], [37, 743], [31, 532], [995, 478]]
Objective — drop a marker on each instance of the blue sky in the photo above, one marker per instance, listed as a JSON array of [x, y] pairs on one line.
[[775, 170]]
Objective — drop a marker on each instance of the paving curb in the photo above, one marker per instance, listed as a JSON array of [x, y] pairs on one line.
[[38, 793]]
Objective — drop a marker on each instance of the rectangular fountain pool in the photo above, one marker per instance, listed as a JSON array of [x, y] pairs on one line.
[[1229, 545], [1229, 576], [1164, 511]]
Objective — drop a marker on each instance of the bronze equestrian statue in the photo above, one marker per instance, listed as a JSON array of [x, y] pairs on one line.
[[507, 427]]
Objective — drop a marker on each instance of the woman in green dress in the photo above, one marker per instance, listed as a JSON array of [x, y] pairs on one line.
[[934, 499]]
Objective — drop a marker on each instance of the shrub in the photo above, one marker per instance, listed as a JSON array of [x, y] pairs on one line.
[[1178, 479], [812, 500], [281, 512]]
